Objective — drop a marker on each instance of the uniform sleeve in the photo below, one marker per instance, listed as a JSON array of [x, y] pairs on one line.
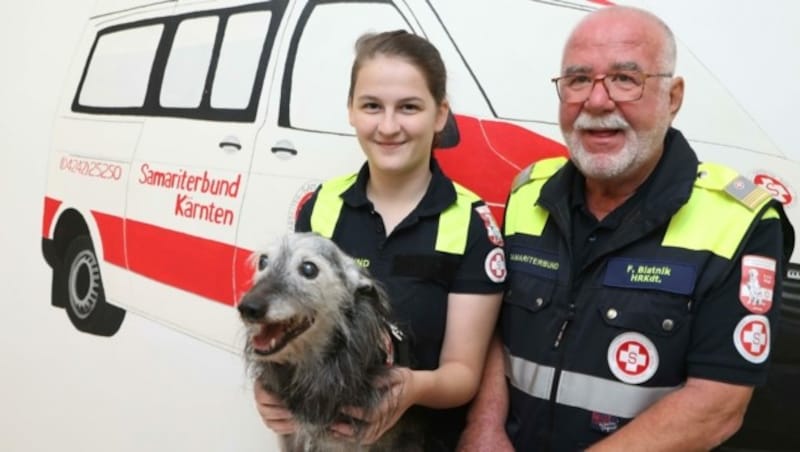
[[734, 325], [483, 267], [303, 222]]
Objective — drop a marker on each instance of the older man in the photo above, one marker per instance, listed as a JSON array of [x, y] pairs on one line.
[[627, 324]]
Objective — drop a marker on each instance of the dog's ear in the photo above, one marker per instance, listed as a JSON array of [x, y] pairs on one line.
[[365, 285]]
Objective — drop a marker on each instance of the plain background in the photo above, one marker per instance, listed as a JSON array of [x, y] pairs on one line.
[[150, 388]]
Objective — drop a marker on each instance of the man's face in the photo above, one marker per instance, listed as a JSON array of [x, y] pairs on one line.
[[616, 140]]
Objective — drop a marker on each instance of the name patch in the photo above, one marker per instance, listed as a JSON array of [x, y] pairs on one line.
[[534, 262], [657, 275]]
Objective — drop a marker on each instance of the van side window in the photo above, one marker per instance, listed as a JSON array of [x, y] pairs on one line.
[[187, 65], [315, 67], [238, 59], [199, 65], [120, 68]]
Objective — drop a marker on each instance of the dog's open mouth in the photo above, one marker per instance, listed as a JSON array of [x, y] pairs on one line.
[[273, 336]]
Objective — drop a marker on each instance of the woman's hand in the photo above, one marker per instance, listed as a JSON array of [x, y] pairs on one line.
[[398, 398], [273, 412]]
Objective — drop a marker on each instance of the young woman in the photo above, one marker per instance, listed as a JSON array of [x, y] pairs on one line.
[[432, 243]]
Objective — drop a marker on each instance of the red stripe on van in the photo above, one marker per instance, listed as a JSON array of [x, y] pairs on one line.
[[50, 208], [191, 263], [112, 237], [490, 154]]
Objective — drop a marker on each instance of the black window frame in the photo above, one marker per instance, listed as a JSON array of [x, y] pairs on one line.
[[151, 105]]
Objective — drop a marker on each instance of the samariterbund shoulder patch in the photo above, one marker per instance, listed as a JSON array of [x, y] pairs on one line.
[[758, 283]]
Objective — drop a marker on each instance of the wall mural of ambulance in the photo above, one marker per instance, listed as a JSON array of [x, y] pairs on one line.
[[190, 131]]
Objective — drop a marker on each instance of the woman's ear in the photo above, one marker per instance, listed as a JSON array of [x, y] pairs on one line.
[[441, 115], [350, 112]]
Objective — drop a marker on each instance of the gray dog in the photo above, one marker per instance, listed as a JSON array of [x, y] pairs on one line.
[[317, 338]]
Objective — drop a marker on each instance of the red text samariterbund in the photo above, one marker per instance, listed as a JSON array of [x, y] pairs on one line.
[[185, 205]]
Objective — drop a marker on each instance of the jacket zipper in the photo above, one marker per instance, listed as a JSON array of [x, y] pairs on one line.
[[558, 216]]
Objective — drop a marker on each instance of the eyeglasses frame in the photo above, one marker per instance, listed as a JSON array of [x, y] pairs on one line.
[[602, 78]]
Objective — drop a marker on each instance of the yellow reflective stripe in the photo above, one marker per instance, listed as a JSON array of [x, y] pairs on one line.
[[522, 214], [328, 205], [714, 177], [770, 214], [710, 221], [454, 222], [547, 167]]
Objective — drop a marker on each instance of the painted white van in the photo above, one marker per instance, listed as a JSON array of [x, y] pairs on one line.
[[191, 130]]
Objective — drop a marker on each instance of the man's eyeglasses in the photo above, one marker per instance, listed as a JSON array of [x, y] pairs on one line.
[[623, 86]]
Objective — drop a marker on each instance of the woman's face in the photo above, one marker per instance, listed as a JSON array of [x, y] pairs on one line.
[[395, 115]]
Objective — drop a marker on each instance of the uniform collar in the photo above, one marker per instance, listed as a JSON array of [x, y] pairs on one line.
[[666, 189], [440, 194]]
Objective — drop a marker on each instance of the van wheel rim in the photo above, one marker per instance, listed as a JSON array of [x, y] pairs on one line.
[[84, 284]]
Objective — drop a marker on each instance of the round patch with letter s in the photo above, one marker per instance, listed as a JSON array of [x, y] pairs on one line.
[[632, 358], [751, 338], [495, 265]]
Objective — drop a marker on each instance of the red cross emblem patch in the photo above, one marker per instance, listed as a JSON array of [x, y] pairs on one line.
[[495, 265], [632, 358], [751, 338]]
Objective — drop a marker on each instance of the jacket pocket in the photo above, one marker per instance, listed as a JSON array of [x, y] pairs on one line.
[[530, 293], [649, 312]]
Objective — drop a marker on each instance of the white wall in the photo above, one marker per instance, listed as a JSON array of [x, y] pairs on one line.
[[149, 388], [752, 46]]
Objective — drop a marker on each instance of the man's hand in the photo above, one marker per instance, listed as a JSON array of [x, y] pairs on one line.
[[273, 412]]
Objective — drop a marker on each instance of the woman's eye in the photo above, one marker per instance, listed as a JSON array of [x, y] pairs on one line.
[[370, 106], [263, 262], [309, 270]]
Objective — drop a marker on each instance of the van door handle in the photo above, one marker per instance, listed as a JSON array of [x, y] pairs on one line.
[[230, 143], [283, 147], [277, 149]]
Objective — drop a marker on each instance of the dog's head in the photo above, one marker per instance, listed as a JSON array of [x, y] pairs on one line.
[[304, 289]]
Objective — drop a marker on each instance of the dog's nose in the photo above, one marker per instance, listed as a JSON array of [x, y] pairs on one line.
[[251, 309]]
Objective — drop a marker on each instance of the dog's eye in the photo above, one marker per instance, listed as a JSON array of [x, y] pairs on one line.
[[263, 262], [309, 270]]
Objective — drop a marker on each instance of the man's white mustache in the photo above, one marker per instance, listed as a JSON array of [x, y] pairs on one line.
[[609, 121]]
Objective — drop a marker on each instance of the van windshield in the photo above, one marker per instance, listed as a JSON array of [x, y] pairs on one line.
[[498, 40]]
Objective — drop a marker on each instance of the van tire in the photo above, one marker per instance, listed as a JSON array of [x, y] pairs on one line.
[[82, 289]]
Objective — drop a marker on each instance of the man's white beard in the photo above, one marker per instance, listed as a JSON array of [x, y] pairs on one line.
[[639, 147]]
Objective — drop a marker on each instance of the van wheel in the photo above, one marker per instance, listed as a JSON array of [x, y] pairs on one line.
[[83, 289]]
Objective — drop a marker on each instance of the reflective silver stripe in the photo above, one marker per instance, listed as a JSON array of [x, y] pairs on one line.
[[528, 376], [582, 391]]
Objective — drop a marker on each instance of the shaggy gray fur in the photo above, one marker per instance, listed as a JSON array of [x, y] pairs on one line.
[[305, 279]]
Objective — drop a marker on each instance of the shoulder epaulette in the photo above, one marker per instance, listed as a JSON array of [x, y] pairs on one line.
[[538, 170], [721, 178], [522, 178]]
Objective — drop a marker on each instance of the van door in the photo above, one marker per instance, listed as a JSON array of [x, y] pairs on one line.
[[306, 137], [192, 162]]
